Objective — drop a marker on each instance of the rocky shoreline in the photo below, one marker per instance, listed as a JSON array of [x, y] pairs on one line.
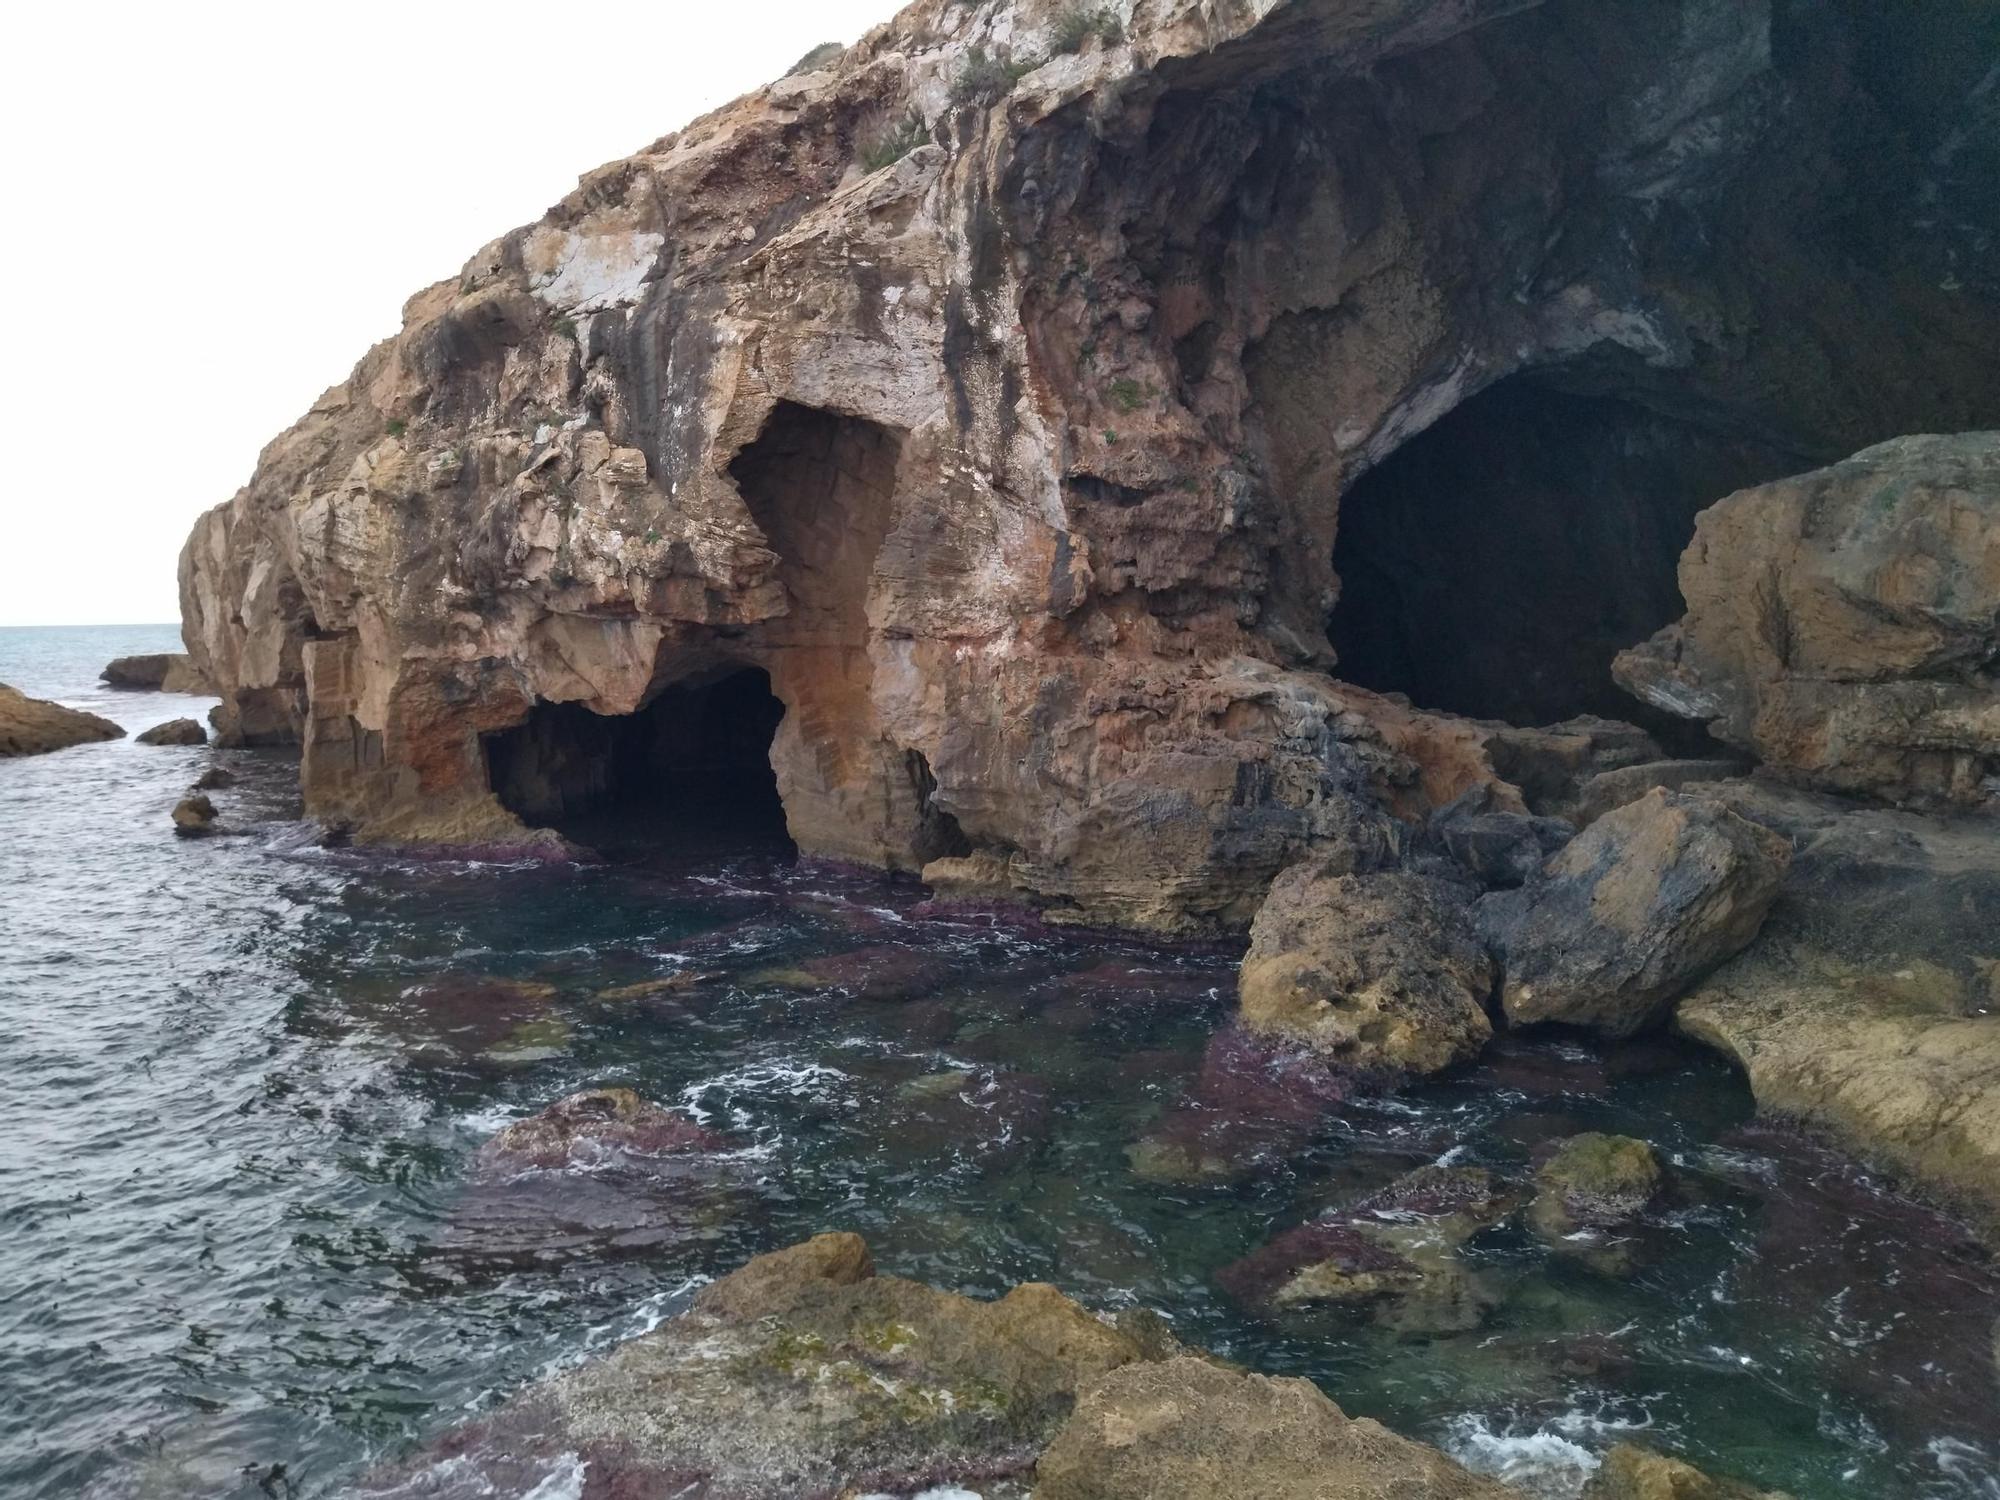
[[1494, 505]]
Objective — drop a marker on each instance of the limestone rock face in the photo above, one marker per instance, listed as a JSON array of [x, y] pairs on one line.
[[34, 726], [1870, 1006], [1016, 462], [1382, 973], [1845, 624], [1634, 910], [175, 732], [1185, 1427], [165, 671]]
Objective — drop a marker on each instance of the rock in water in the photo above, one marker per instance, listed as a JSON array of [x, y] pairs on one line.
[[1630, 1472], [591, 1127], [1184, 1428], [175, 732], [1643, 903], [32, 726], [166, 671], [1382, 973], [1594, 1181], [1844, 624], [194, 814]]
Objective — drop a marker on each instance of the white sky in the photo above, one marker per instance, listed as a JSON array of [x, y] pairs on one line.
[[217, 207]]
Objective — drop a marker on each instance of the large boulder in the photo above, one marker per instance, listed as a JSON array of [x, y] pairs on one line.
[[1844, 624], [1382, 973], [804, 1374], [33, 726], [165, 671], [1870, 1005], [1184, 1427], [1638, 907]]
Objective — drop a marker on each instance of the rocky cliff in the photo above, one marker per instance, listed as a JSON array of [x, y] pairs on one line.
[[1030, 399]]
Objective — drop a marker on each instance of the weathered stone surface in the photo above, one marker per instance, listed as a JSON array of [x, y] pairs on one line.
[[1870, 1006], [1634, 910], [1183, 1427], [175, 732], [33, 726], [1845, 624], [166, 672], [1594, 1181], [1612, 789], [194, 814], [1017, 462], [1630, 1472], [1498, 848], [802, 1375], [1382, 973]]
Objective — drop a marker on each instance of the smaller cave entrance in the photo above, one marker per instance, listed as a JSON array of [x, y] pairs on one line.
[[688, 772], [1496, 563]]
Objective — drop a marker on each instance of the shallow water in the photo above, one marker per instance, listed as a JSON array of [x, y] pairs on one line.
[[247, 1078]]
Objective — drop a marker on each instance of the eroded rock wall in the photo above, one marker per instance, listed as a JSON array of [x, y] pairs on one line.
[[1016, 461]]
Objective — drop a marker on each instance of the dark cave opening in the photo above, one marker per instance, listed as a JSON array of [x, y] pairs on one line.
[[1496, 563], [690, 769]]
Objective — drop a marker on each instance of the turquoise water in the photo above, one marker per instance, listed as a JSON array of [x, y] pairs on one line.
[[248, 1076]]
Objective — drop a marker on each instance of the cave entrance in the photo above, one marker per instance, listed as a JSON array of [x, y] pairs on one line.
[[690, 771], [1495, 563]]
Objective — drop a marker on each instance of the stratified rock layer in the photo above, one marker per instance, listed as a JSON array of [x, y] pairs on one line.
[[1845, 624], [1870, 1007], [33, 726], [1016, 462]]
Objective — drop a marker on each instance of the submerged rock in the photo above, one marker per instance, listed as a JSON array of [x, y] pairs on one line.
[[882, 972], [166, 672], [599, 1174], [591, 1127], [1630, 1472], [1592, 1185], [1647, 900], [175, 732], [32, 726], [1381, 973], [1843, 624], [1184, 1428], [1392, 1253], [1252, 1104]]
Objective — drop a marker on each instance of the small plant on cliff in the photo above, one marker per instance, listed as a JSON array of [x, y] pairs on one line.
[[395, 427], [567, 328], [816, 59], [985, 77], [1127, 394], [1077, 24], [892, 143]]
